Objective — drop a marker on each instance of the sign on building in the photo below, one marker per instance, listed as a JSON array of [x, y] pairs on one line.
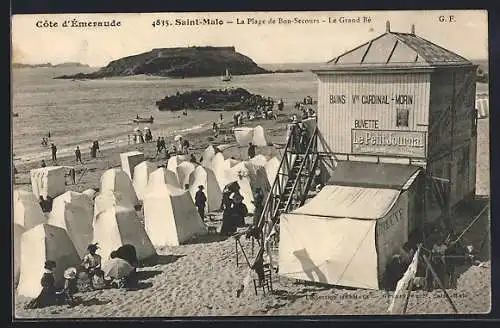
[[387, 142]]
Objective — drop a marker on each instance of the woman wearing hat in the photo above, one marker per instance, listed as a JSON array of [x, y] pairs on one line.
[[92, 261], [48, 295], [70, 285]]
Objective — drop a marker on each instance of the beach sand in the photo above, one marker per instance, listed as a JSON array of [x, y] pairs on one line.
[[200, 278]]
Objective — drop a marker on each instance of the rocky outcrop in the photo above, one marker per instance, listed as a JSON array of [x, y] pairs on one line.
[[179, 63]]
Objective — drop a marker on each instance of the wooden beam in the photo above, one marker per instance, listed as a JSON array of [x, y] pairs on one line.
[[436, 278]]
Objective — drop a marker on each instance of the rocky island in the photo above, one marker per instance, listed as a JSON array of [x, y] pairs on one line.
[[177, 63], [68, 64]]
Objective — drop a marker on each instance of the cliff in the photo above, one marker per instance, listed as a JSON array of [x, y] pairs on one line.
[[178, 62]]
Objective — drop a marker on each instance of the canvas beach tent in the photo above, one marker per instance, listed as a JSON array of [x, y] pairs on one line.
[[344, 236], [206, 178], [27, 210], [174, 161], [162, 176], [183, 171], [170, 216], [243, 135], [117, 226], [48, 181], [90, 193], [259, 136], [130, 160], [117, 181], [39, 244], [17, 231], [207, 155], [74, 213], [141, 177], [256, 174], [258, 160], [272, 166], [230, 162], [219, 166], [108, 199]]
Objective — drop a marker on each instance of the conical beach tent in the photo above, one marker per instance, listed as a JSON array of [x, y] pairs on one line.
[[230, 162], [240, 174], [184, 170], [48, 181], [207, 155], [27, 210], [206, 178], [117, 226], [170, 216], [116, 180], [259, 160], [18, 231], [141, 176], [73, 212], [259, 136], [91, 193], [219, 166], [243, 135], [162, 176], [174, 161], [130, 160], [272, 166], [39, 244], [107, 199]]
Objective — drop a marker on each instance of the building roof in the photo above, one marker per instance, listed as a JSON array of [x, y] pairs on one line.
[[373, 175], [394, 49]]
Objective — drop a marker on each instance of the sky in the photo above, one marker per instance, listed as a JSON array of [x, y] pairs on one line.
[[466, 35]]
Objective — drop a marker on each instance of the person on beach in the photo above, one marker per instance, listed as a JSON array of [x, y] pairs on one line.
[[70, 286], [221, 117], [193, 159], [78, 155], [54, 152], [251, 150], [42, 163], [163, 145], [228, 226], [239, 208], [128, 253], [259, 205], [72, 174], [158, 146], [48, 295], [200, 201], [185, 146], [91, 261]]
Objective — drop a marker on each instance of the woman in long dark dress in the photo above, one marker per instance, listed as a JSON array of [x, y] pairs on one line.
[[239, 209], [48, 295], [128, 253], [228, 226]]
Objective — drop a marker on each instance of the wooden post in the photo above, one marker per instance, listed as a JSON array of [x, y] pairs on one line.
[[236, 244], [439, 282]]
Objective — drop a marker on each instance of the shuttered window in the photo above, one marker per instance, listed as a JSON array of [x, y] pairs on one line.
[[402, 116]]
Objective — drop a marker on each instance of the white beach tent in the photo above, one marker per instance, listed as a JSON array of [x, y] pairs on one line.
[[108, 199], [27, 210], [170, 217], [219, 166], [272, 166], [184, 170], [207, 155], [118, 226], [129, 161], [206, 178], [259, 136], [174, 161], [162, 176], [256, 174], [482, 106], [344, 236], [39, 244], [73, 212], [48, 181], [230, 162], [117, 181], [141, 177], [90, 193], [243, 135], [17, 231], [259, 160]]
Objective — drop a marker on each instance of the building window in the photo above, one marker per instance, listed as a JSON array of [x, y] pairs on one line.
[[402, 117]]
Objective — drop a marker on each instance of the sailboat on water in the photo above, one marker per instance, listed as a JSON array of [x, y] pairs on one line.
[[227, 77]]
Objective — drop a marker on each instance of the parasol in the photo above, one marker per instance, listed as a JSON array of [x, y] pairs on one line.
[[146, 128], [117, 268], [70, 273], [178, 137]]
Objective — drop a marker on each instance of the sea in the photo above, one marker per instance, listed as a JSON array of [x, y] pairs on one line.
[[76, 112]]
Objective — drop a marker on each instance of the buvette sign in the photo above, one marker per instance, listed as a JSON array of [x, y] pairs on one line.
[[385, 142]]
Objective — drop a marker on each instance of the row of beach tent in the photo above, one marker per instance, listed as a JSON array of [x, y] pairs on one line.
[[109, 217]]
